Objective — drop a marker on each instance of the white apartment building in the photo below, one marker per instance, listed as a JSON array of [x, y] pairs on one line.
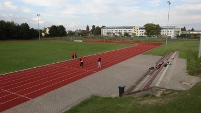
[[170, 31], [117, 31]]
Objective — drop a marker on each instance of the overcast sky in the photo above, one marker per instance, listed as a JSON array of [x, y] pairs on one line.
[[77, 14]]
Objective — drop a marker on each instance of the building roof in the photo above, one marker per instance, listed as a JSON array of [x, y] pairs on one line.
[[119, 27], [169, 27], [131, 27]]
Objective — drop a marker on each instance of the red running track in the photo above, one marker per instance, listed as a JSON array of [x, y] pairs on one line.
[[19, 87]]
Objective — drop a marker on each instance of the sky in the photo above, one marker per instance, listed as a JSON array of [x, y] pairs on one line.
[[77, 14]]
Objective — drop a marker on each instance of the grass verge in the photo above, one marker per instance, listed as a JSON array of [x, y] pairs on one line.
[[177, 102]]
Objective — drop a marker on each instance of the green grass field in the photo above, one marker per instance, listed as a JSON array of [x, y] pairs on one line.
[[18, 55]]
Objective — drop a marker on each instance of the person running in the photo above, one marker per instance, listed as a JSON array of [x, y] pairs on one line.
[[81, 61], [99, 62], [73, 55]]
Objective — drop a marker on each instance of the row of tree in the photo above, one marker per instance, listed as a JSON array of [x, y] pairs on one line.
[[55, 31], [59, 31], [11, 30], [96, 30]]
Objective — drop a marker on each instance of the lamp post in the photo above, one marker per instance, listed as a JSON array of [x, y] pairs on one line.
[[168, 19], [199, 48], [38, 27]]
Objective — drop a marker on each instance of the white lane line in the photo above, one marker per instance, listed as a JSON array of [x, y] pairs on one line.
[[9, 101], [23, 96], [16, 94]]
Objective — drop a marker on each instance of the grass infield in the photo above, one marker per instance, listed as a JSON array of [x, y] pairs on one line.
[[18, 55]]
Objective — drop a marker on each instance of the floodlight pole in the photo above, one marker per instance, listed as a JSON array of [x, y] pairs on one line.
[[168, 20], [199, 48], [38, 26]]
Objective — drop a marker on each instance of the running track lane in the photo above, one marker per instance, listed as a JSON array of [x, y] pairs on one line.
[[21, 86]]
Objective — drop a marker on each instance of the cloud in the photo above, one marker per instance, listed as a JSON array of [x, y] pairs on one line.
[[79, 13], [26, 10], [36, 20], [10, 6], [187, 13], [47, 3], [155, 2]]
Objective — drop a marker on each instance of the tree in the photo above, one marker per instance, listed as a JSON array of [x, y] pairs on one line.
[[126, 34], [93, 28], [2, 29], [152, 29], [24, 30], [61, 30], [97, 31], [87, 28], [57, 31], [11, 30], [183, 29], [33, 33], [53, 31]]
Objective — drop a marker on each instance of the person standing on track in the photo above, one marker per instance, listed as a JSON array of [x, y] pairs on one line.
[[99, 62], [81, 61], [73, 55]]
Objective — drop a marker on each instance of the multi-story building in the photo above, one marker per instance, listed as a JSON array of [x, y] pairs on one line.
[[170, 31], [139, 31], [117, 31]]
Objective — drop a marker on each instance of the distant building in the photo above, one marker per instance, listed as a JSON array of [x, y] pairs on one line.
[[46, 32], [190, 32], [117, 31], [170, 31]]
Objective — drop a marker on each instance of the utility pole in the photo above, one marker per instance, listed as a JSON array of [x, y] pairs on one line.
[[38, 27], [168, 20], [199, 48]]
